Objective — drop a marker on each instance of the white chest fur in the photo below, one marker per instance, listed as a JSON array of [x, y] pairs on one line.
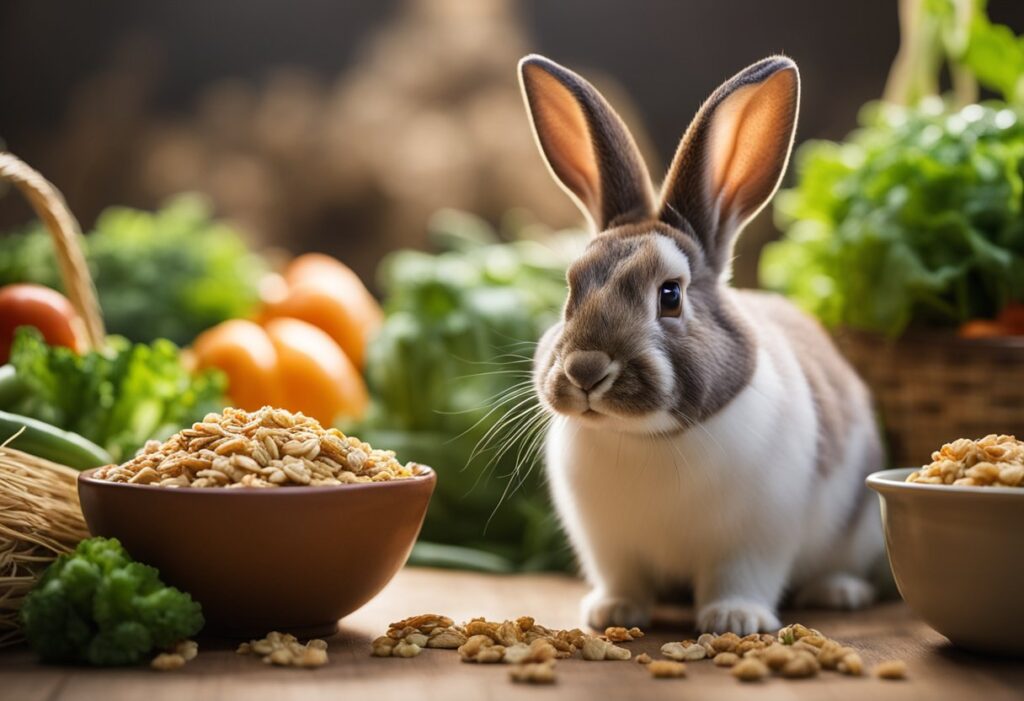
[[662, 507]]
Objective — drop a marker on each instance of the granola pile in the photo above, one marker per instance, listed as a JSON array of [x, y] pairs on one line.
[[795, 652], [993, 461], [266, 448], [285, 650]]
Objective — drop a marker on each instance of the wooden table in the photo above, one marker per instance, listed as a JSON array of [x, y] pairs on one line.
[[937, 671]]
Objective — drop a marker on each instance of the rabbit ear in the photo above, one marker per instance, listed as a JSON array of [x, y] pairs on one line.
[[732, 157], [587, 147]]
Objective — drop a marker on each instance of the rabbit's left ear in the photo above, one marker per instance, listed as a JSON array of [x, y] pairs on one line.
[[733, 155], [587, 146]]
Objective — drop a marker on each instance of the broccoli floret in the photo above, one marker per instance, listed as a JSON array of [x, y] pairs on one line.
[[97, 605]]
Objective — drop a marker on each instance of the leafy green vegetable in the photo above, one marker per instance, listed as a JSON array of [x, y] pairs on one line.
[[97, 605], [995, 55], [917, 217], [449, 374], [118, 398], [167, 274]]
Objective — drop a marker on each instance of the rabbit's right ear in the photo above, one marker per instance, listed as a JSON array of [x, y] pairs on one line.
[[587, 147]]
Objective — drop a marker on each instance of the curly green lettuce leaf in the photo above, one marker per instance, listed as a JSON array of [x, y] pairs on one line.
[[118, 397], [915, 219], [166, 274]]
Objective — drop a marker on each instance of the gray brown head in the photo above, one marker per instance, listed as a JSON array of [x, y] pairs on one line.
[[649, 340]]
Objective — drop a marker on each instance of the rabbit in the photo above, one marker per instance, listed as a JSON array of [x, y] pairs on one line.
[[702, 436]]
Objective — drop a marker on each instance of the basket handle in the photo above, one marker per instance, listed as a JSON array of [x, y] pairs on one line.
[[50, 207]]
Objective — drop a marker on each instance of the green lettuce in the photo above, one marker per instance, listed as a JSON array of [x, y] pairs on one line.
[[166, 274], [449, 376], [118, 398], [915, 218]]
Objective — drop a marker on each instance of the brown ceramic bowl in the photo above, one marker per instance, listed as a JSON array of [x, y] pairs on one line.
[[294, 559], [955, 554]]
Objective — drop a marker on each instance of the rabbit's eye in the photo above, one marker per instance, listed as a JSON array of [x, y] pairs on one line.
[[670, 299]]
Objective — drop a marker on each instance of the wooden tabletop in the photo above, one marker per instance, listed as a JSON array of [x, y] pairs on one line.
[[936, 670]]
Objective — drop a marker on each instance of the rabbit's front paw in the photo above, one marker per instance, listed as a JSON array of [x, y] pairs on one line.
[[837, 591], [740, 616], [601, 610]]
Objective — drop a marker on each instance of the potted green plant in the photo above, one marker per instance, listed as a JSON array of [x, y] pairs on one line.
[[907, 239]]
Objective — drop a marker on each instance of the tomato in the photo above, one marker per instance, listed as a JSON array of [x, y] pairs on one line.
[[41, 307], [247, 356]]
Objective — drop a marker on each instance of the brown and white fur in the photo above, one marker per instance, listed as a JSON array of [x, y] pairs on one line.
[[722, 448]]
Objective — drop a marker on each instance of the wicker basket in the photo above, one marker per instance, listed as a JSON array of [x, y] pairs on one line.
[[932, 388], [40, 516]]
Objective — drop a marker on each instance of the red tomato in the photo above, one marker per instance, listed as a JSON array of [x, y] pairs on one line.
[[46, 309], [1012, 318]]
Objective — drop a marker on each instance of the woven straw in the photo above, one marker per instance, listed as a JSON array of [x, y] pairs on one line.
[[40, 516], [932, 388]]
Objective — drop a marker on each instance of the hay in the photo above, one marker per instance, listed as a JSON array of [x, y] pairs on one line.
[[40, 518]]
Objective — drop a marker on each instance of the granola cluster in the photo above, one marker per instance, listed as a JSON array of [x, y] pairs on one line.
[[993, 461], [285, 650], [531, 647], [266, 448], [795, 652], [175, 658]]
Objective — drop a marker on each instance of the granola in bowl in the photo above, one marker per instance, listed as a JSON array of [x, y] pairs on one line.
[[993, 461], [261, 449]]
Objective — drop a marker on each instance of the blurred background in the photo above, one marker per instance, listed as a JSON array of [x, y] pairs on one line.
[[391, 136], [341, 126]]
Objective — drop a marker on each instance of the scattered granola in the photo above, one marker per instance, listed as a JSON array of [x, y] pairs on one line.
[[618, 634], [265, 448], [993, 461], [666, 669], [166, 661], [726, 659], [795, 652], [750, 669], [534, 673], [891, 669], [176, 657], [285, 650], [686, 651]]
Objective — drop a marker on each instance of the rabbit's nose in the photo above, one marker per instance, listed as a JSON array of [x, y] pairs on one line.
[[586, 369]]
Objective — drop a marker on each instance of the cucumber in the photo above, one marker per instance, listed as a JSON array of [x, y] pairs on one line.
[[51, 443]]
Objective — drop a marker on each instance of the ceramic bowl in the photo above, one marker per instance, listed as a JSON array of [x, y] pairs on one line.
[[294, 559], [955, 554]]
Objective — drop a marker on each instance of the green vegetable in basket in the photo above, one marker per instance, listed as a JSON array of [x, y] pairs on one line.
[[166, 274], [449, 377], [118, 397], [98, 606], [918, 217]]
